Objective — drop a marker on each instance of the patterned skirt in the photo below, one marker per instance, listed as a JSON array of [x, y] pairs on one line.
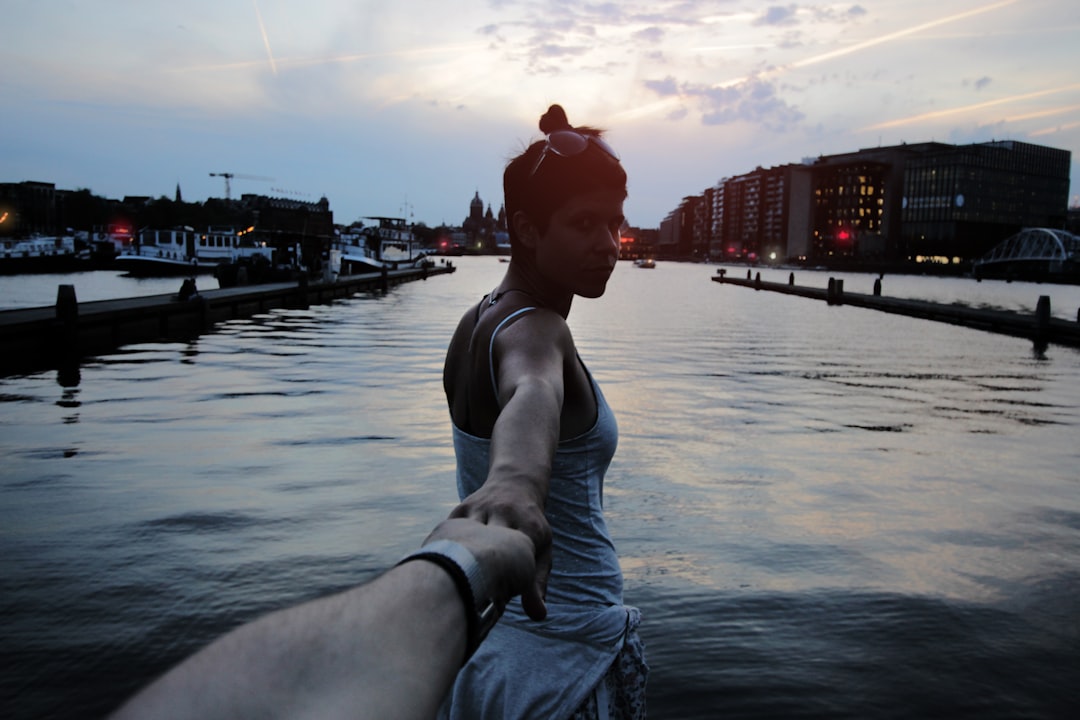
[[621, 695]]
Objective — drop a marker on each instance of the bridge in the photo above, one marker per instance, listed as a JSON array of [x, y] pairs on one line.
[[1040, 253]]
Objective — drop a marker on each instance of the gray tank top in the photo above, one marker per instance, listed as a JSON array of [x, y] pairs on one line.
[[585, 567], [545, 669]]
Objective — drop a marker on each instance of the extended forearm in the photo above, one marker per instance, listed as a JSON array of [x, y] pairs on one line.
[[386, 649], [524, 439]]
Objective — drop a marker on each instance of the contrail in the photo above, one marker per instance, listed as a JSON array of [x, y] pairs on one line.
[[289, 63], [1052, 130], [865, 44], [967, 108], [898, 34], [265, 37]]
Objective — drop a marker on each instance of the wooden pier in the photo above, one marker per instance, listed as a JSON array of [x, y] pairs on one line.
[[1039, 327], [60, 336]]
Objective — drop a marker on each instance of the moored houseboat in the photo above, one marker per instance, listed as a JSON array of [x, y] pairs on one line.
[[390, 244], [185, 251], [40, 255]]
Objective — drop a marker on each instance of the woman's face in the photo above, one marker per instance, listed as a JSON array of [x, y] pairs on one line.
[[581, 245]]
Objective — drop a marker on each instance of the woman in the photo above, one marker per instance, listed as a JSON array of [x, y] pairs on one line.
[[533, 437]]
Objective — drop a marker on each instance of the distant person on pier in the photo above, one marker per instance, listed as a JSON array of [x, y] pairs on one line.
[[533, 438]]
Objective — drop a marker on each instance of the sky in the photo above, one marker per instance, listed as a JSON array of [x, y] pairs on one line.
[[408, 108]]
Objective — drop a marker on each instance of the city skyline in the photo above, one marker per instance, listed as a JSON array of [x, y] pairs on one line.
[[411, 109]]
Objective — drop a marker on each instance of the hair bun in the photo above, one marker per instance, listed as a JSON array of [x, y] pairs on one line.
[[553, 120]]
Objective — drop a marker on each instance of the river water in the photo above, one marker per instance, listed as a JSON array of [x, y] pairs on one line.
[[822, 511]]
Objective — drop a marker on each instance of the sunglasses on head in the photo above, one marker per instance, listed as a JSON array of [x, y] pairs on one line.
[[568, 143]]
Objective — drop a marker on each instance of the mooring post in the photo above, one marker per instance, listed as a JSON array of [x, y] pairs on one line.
[[877, 287], [384, 280], [1042, 323], [67, 307], [835, 293], [1042, 315], [757, 281], [791, 279], [747, 273], [66, 337], [301, 297]]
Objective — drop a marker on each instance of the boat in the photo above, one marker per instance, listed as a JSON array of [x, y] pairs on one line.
[[390, 244], [40, 254], [107, 242], [646, 263], [183, 251]]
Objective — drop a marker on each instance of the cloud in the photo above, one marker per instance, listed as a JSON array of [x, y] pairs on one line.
[[678, 114], [665, 88], [753, 100], [982, 82], [786, 15], [831, 14], [553, 50], [649, 35], [778, 15]]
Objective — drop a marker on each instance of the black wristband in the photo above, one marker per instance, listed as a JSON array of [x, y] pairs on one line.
[[481, 610]]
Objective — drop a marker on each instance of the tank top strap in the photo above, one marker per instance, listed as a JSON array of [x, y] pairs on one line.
[[491, 344]]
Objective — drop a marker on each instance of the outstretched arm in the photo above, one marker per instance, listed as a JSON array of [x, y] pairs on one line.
[[531, 356], [390, 648]]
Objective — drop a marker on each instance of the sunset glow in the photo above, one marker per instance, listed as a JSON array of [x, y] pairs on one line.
[[368, 103]]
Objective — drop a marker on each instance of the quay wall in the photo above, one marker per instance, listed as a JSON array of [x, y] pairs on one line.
[[1039, 327], [59, 336]]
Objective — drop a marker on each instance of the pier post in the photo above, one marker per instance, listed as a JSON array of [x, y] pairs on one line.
[[791, 279], [301, 300], [747, 273], [1042, 315], [877, 287], [384, 280], [1042, 324], [67, 306], [835, 293], [757, 281], [66, 337]]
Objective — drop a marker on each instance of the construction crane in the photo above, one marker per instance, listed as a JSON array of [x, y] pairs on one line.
[[229, 176]]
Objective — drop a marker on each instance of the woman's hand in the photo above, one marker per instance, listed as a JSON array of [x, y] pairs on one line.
[[503, 504]]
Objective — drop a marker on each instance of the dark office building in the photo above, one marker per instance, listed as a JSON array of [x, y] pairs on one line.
[[27, 208], [856, 204], [962, 200], [285, 223]]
